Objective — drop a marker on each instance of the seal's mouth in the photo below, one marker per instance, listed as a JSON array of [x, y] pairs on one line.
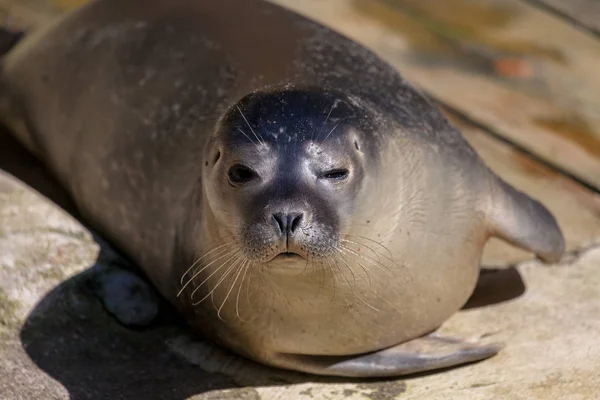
[[288, 255]]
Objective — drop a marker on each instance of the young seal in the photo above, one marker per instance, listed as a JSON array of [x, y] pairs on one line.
[[288, 191]]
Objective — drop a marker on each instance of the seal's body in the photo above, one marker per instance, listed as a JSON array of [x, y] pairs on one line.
[[287, 190]]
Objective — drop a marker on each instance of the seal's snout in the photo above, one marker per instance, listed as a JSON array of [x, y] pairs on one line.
[[287, 223], [286, 226]]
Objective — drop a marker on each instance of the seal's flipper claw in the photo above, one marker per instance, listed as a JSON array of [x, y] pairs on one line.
[[422, 354], [130, 299]]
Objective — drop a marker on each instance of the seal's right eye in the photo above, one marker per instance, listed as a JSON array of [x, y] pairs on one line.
[[336, 174], [239, 174]]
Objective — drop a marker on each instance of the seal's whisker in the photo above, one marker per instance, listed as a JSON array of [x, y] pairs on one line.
[[249, 126], [361, 298], [352, 288], [330, 132], [314, 273], [391, 256], [220, 237], [359, 253], [229, 269], [334, 282], [361, 245], [354, 240], [326, 119], [369, 260], [243, 225], [247, 137], [322, 275], [239, 255], [219, 255], [246, 266], [337, 267], [366, 271], [248, 285], [348, 304], [340, 251], [199, 259], [312, 267], [333, 129], [366, 258], [191, 279], [237, 275], [233, 256], [379, 244], [256, 270]]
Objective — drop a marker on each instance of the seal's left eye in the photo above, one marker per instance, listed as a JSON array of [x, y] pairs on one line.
[[240, 174], [336, 174]]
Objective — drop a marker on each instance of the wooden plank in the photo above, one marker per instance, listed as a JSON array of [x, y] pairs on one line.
[[521, 72], [585, 13]]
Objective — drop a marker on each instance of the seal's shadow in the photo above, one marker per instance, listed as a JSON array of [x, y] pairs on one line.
[[496, 285], [72, 338]]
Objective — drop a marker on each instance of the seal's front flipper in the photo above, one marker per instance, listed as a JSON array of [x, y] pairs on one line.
[[426, 353], [525, 223]]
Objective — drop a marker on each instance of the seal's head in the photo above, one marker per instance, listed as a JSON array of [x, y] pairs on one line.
[[284, 171]]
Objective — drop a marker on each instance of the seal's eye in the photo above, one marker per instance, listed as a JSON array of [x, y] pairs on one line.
[[240, 174], [336, 174]]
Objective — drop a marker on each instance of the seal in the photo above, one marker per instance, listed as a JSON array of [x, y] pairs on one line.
[[288, 191]]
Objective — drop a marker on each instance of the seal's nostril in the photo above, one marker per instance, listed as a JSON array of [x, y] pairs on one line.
[[287, 222], [294, 220], [278, 222]]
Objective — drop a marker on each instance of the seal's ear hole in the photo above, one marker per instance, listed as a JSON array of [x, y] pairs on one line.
[[356, 145], [216, 157]]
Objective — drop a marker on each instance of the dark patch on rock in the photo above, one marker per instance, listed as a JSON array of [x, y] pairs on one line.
[[383, 390], [233, 394]]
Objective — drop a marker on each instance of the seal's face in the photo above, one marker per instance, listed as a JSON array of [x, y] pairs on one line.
[[284, 172]]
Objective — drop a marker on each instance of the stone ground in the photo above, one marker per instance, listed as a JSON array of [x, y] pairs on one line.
[[57, 342]]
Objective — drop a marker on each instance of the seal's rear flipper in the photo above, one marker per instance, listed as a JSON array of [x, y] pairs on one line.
[[422, 354], [525, 223]]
